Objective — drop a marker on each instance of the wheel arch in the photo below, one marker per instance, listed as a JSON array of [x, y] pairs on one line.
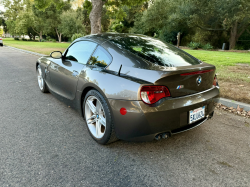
[[37, 63], [86, 89]]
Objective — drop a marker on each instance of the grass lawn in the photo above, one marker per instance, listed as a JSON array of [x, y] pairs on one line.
[[233, 68], [39, 47]]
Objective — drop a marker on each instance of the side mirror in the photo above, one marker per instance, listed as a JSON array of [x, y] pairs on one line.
[[56, 54]]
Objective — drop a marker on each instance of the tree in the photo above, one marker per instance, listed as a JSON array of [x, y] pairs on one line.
[[1, 32], [52, 16], [77, 4], [97, 9], [71, 23], [232, 16], [49, 20], [115, 7], [216, 17], [13, 8]]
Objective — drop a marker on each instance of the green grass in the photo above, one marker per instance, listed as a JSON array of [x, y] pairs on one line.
[[39, 47], [219, 58]]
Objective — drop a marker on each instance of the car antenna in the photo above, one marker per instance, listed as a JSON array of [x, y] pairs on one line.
[[119, 72]]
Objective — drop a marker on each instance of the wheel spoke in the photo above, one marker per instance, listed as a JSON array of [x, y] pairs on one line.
[[92, 117], [102, 120], [98, 106], [91, 106], [39, 71], [92, 121], [40, 78], [98, 128]]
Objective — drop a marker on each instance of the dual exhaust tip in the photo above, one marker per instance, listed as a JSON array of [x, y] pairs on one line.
[[164, 135]]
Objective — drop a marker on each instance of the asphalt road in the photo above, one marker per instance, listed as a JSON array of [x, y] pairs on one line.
[[43, 142]]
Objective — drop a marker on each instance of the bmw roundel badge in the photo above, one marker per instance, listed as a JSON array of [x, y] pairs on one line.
[[199, 80]]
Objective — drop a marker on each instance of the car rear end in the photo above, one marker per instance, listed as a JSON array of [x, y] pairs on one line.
[[1, 41], [162, 111], [180, 108], [178, 95]]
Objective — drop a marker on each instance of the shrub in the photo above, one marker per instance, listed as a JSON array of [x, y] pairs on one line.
[[16, 38], [52, 40], [239, 47], [43, 40], [194, 45], [207, 46], [23, 39], [76, 35]]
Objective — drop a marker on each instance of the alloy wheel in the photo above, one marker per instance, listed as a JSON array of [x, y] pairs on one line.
[[95, 117], [40, 78]]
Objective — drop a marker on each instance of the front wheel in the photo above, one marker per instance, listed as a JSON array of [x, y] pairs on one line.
[[41, 83], [98, 118]]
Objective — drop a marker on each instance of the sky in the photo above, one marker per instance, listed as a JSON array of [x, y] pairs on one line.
[[1, 8]]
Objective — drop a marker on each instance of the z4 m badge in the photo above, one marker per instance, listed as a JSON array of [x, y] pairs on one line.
[[180, 87]]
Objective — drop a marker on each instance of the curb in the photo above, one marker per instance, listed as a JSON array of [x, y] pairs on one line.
[[25, 51], [231, 103], [226, 102]]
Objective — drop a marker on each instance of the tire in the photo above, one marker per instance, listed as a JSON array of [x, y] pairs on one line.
[[41, 83], [97, 112]]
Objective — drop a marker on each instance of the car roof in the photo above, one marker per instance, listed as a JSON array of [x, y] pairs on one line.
[[103, 37]]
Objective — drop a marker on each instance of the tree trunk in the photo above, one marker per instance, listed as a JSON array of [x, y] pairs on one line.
[[233, 36], [41, 35], [95, 16], [59, 35]]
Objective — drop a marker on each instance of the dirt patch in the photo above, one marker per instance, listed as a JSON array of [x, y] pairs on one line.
[[243, 65], [240, 68], [238, 91]]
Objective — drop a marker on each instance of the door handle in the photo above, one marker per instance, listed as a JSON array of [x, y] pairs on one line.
[[75, 73]]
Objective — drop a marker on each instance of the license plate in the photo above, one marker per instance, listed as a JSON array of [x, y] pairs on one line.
[[197, 114]]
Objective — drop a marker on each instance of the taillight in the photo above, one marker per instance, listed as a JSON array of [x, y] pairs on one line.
[[152, 94], [215, 83]]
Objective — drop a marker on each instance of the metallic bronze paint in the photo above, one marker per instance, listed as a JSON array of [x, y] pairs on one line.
[[142, 121]]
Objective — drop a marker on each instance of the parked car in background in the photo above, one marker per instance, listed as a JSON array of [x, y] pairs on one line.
[[1, 41], [130, 87]]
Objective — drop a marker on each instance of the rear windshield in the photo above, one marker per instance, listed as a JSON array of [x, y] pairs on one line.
[[155, 51]]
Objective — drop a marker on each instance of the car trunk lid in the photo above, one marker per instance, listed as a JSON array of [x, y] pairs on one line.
[[188, 80]]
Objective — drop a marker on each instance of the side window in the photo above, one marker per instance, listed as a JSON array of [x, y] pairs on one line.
[[100, 58], [80, 51]]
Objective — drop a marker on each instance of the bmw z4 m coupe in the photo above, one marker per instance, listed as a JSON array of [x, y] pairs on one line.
[[130, 87]]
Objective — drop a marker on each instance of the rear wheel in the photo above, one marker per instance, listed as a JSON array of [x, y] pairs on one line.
[[41, 83], [98, 118]]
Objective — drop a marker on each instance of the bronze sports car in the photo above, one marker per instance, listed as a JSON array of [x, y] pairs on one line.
[[130, 87]]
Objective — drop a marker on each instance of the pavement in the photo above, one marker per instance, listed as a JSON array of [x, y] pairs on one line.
[[43, 142]]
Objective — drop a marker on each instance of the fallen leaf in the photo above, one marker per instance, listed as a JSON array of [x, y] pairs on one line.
[[238, 108], [241, 85]]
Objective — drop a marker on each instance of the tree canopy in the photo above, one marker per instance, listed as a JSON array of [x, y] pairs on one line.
[[203, 21]]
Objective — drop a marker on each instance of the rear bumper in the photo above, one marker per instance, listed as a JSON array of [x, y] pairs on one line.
[[143, 122]]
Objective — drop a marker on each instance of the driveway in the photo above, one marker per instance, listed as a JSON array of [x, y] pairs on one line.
[[43, 142]]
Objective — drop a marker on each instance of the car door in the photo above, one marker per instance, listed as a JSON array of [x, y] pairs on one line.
[[64, 72]]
